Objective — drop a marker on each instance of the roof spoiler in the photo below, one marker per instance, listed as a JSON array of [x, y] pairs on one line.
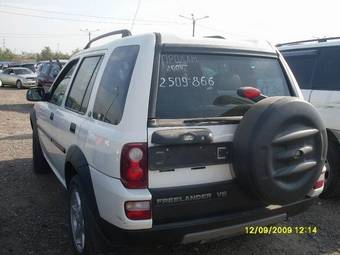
[[123, 32]]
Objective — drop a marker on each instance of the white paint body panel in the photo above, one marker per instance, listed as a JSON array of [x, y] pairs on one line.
[[328, 104], [111, 196]]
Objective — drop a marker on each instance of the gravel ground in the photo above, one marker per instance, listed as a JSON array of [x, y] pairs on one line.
[[33, 208]]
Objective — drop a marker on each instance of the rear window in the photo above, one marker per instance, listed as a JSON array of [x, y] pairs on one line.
[[302, 64], [22, 71], [202, 85]]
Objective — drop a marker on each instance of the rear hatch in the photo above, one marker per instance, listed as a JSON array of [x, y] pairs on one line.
[[193, 118]]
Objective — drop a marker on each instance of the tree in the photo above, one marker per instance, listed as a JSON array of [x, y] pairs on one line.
[[75, 51], [46, 54], [7, 55]]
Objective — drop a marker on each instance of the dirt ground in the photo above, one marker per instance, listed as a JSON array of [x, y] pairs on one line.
[[33, 208]]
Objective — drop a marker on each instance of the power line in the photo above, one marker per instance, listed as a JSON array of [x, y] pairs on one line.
[[89, 16], [194, 20], [135, 15]]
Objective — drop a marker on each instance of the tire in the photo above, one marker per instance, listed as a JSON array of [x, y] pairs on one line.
[[19, 84], [89, 241], [40, 165], [332, 175], [280, 148]]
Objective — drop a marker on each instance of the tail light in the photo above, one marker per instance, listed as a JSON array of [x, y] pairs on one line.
[[134, 166], [319, 184], [138, 210]]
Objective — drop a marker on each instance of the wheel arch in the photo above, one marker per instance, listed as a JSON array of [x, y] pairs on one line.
[[76, 164], [332, 137]]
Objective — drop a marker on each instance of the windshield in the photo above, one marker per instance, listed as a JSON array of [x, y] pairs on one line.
[[23, 71], [202, 85]]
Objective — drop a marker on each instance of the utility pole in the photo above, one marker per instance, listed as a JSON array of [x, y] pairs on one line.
[[89, 32], [3, 44], [193, 19]]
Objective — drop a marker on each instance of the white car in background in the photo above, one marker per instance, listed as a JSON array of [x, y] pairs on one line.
[[18, 76], [316, 66]]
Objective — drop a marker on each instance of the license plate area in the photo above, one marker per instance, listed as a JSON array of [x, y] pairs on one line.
[[165, 158], [199, 201]]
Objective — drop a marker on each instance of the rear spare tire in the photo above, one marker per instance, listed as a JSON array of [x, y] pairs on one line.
[[280, 148]]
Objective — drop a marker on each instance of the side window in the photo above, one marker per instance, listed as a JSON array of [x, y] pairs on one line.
[[45, 67], [327, 73], [113, 87], [58, 90], [302, 64], [83, 81], [55, 70]]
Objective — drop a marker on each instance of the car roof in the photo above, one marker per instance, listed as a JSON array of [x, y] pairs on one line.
[[231, 43], [310, 44], [19, 68]]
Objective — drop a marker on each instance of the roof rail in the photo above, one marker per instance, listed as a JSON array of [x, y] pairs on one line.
[[123, 32], [311, 40], [214, 36]]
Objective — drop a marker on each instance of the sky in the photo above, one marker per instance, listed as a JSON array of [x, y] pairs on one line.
[[29, 25]]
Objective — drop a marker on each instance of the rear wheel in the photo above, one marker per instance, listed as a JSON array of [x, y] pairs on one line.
[[83, 231], [332, 175], [40, 165], [19, 84]]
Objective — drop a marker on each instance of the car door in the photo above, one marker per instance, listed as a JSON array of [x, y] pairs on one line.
[[302, 63], [5, 76], [69, 118], [45, 112], [326, 87]]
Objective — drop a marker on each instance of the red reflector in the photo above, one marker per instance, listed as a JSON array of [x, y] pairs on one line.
[[138, 210], [251, 93], [319, 184]]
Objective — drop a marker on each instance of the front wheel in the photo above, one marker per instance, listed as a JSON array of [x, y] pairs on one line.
[[19, 84], [83, 231]]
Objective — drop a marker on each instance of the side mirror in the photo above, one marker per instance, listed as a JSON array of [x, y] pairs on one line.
[[36, 94]]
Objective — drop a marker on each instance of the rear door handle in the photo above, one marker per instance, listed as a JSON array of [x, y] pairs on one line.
[[73, 127], [51, 116]]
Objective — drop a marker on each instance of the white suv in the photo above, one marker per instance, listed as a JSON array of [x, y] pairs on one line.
[[316, 66], [160, 138]]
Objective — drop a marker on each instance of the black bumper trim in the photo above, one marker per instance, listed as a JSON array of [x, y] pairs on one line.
[[175, 232]]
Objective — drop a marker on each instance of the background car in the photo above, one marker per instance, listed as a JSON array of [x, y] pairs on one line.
[[48, 71], [30, 66], [316, 66], [18, 76]]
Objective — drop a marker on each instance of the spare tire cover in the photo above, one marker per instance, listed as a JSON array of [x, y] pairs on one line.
[[280, 148]]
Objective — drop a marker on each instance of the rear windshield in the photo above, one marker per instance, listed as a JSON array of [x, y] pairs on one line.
[[22, 71], [202, 85]]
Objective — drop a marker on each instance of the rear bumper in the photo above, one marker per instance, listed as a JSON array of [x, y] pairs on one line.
[[202, 229]]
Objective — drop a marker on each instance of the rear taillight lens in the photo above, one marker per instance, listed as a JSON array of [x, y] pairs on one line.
[[138, 210], [319, 184], [134, 166]]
